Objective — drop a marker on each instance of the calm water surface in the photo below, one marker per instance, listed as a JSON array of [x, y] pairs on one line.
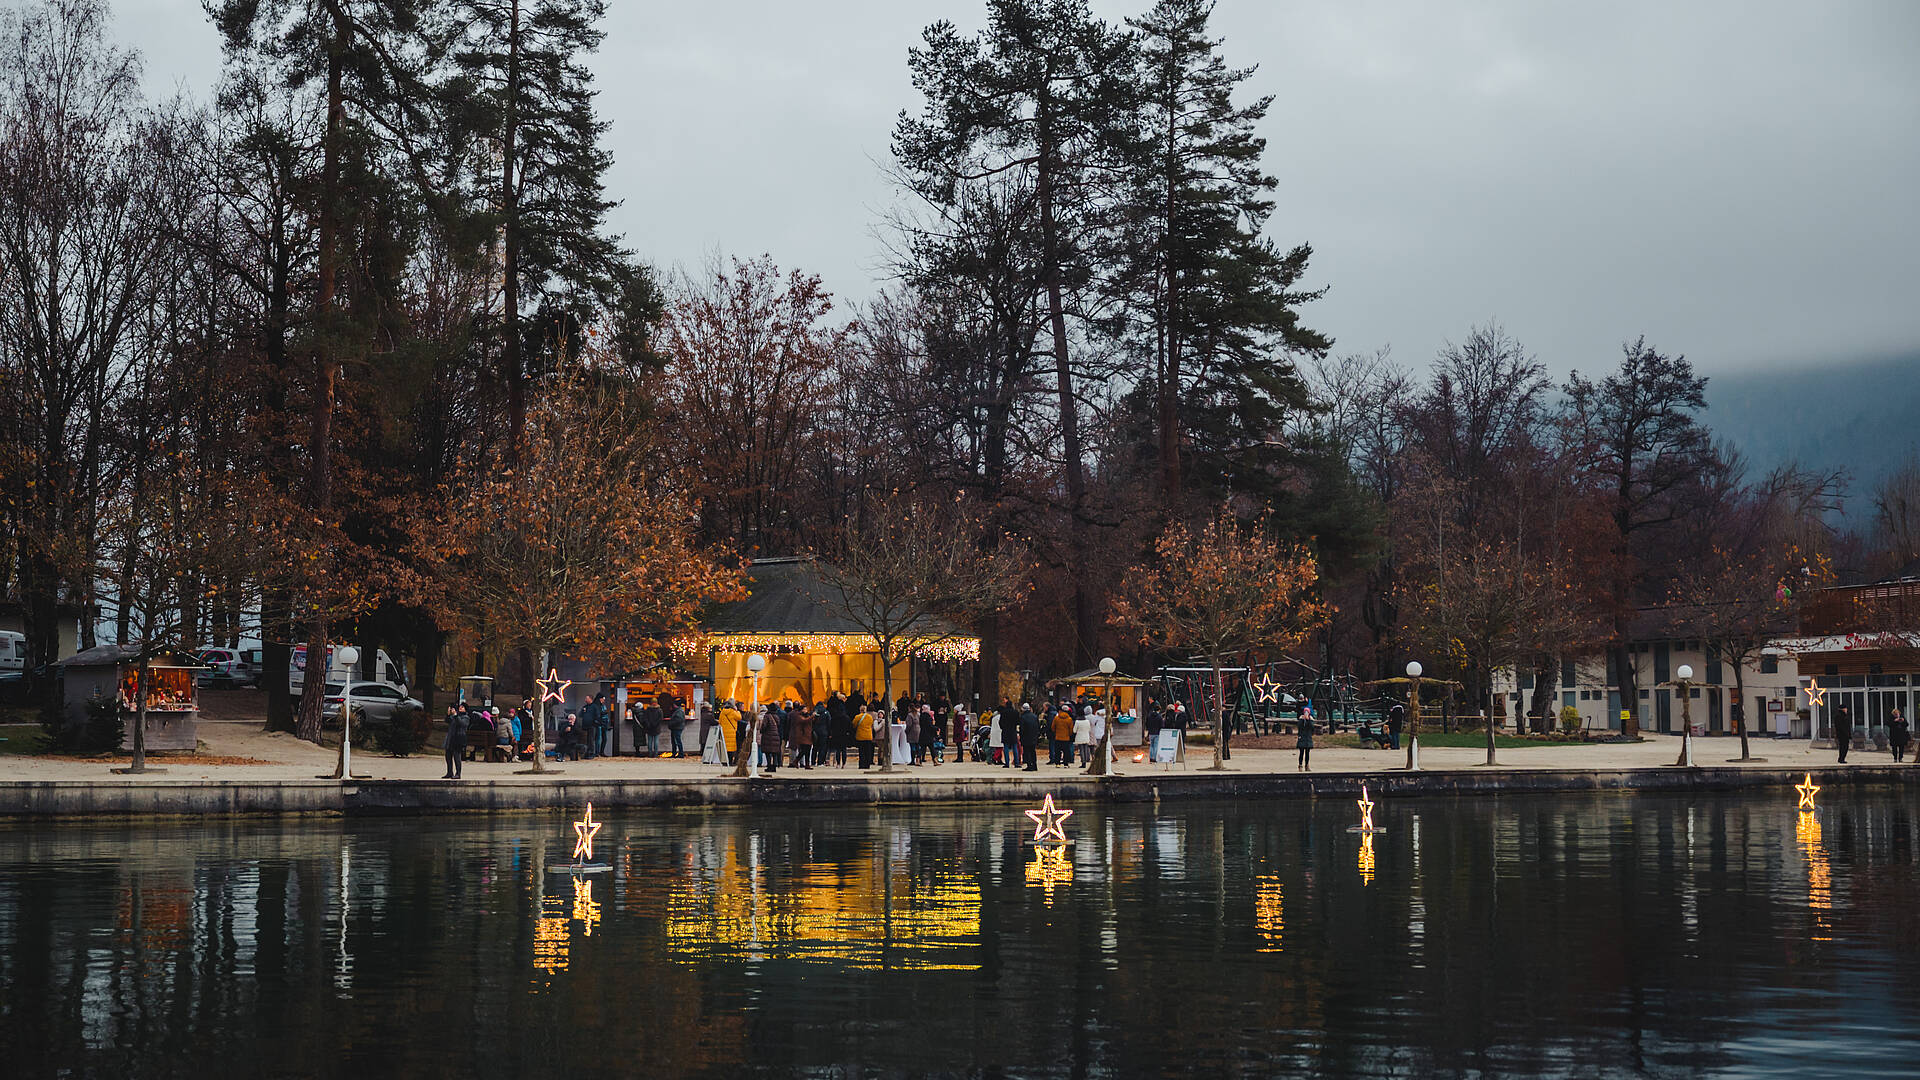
[[1721, 935]]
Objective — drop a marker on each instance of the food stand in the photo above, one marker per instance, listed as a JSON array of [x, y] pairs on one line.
[[113, 671], [1090, 685]]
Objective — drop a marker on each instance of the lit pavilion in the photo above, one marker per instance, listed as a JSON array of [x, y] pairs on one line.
[[812, 650]]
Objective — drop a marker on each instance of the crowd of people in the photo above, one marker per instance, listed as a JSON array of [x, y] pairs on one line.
[[843, 730]]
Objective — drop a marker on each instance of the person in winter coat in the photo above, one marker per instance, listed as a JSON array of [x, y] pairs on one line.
[[676, 717], [913, 733], [772, 737], [1010, 733], [1898, 734], [1083, 735], [1397, 720], [1305, 742], [996, 740], [1843, 731], [863, 725], [457, 724], [1030, 737], [1062, 749], [959, 733], [929, 735], [800, 738]]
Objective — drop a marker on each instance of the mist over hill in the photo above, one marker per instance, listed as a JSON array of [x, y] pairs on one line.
[[1860, 416]]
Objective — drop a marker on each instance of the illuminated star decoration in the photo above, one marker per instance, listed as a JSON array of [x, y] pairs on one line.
[[584, 829], [1366, 811], [1047, 822], [553, 687], [1267, 689], [1816, 694], [1807, 788]]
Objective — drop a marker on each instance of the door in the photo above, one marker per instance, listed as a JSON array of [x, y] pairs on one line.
[[1714, 724], [1663, 711]]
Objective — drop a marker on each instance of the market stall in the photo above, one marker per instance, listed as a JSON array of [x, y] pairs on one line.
[[1090, 685], [112, 673]]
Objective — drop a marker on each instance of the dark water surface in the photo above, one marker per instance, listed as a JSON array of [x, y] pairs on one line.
[[1722, 935]]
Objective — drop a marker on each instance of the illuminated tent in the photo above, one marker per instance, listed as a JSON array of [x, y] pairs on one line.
[[812, 649]]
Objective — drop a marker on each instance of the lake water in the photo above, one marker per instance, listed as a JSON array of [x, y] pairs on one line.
[[1723, 935]]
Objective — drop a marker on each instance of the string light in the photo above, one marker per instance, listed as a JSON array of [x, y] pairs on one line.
[[1047, 822], [693, 647]]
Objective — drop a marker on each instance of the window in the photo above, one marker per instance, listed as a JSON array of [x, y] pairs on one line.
[[1713, 671], [1645, 694], [1526, 680], [1832, 669], [1566, 699], [1769, 665], [1662, 660], [1568, 676]]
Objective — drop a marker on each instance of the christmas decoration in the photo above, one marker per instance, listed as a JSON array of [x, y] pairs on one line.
[[1366, 826], [584, 831], [1047, 822], [1266, 689], [1807, 789], [1816, 694]]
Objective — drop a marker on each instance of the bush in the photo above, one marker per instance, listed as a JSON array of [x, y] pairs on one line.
[[397, 735], [99, 733], [1569, 720]]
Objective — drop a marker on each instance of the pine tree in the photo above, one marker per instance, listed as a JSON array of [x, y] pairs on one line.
[[1039, 92], [1207, 297], [522, 102]]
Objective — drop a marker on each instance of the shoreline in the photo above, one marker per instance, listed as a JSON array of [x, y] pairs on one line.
[[67, 799]]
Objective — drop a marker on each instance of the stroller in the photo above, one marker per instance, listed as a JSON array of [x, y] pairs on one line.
[[977, 742]]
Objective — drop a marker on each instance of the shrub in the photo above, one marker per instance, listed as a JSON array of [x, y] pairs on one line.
[[397, 735], [100, 732], [1569, 720]]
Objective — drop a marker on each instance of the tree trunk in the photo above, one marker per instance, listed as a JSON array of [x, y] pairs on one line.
[[514, 374], [320, 446], [883, 752], [1102, 765], [1740, 709], [1083, 625], [542, 716], [1219, 715], [1490, 704], [140, 714], [1625, 681]]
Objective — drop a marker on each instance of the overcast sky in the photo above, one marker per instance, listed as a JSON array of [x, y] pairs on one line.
[[1739, 180]]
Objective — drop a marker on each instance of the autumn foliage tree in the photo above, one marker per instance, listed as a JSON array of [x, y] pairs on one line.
[[580, 549], [1221, 589]]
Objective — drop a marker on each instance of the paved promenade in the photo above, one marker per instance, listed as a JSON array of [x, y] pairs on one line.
[[284, 778]]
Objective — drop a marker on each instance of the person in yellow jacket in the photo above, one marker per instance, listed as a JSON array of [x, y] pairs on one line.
[[863, 737], [730, 728], [1061, 752]]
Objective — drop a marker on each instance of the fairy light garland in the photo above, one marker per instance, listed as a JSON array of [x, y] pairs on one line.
[[692, 648]]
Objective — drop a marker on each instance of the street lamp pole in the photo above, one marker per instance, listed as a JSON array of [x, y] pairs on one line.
[[755, 665], [1413, 715], [1100, 765], [1684, 680]]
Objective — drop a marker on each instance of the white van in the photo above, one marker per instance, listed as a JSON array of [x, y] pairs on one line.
[[13, 654], [341, 660]]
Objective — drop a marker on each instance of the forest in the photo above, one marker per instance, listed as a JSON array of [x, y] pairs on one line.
[[349, 352]]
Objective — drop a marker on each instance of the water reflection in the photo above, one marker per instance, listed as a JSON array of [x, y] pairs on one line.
[[1578, 936]]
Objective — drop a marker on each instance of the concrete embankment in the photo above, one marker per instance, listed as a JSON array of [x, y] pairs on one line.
[[137, 797]]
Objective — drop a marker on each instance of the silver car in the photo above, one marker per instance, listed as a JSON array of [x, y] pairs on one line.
[[371, 700], [227, 667]]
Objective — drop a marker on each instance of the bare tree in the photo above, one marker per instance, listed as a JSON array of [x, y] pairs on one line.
[[914, 574]]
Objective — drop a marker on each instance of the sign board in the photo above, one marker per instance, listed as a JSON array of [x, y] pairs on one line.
[[1776, 705], [1169, 746]]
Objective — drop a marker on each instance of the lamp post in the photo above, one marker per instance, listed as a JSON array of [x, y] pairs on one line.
[[1683, 678], [1100, 766], [755, 665], [1413, 715]]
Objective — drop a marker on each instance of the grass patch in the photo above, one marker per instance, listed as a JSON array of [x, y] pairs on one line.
[[22, 739]]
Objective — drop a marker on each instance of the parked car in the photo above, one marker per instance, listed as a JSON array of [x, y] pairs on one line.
[[371, 700], [13, 665], [343, 664], [227, 667]]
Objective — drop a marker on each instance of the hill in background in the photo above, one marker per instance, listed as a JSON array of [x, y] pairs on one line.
[[1859, 416]]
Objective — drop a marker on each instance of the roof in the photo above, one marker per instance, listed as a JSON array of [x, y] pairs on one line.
[[111, 654], [783, 597], [788, 594], [1093, 675]]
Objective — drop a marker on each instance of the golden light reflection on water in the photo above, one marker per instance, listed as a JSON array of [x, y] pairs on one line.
[[864, 915], [1819, 874], [1269, 912], [1366, 858], [553, 929], [1049, 869]]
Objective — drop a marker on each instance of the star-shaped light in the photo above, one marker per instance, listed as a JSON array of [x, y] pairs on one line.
[[553, 687], [1807, 788], [1816, 694], [584, 829], [1266, 689], [1047, 821], [1366, 811]]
